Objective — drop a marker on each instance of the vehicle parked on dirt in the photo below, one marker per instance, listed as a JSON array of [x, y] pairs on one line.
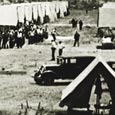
[[65, 68]]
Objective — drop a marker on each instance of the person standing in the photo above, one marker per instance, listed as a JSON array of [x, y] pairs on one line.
[[0, 39], [11, 39], [61, 47], [80, 25], [76, 39], [5, 39], [73, 21], [53, 49], [19, 38], [54, 33]]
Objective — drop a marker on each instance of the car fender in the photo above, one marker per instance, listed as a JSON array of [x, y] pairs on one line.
[[49, 73], [37, 75]]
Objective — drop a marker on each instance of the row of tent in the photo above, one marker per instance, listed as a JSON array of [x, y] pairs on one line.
[[14, 13], [106, 16]]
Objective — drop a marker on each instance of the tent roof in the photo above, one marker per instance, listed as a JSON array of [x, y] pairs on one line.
[[68, 94]]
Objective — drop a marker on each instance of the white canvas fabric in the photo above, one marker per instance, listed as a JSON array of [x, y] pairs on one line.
[[53, 12], [43, 8], [35, 11], [107, 15], [21, 14], [48, 11], [28, 12], [11, 14], [61, 10], [8, 15], [64, 6], [57, 7], [40, 13]]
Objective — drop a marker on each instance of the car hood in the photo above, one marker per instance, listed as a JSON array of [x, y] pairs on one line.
[[51, 65]]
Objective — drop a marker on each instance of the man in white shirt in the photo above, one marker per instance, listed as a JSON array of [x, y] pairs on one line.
[[53, 49], [54, 33]]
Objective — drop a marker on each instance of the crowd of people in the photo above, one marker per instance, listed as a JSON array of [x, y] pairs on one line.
[[15, 36], [10, 38]]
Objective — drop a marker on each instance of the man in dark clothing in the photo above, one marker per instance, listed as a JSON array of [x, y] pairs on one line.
[[0, 39], [5, 39], [76, 39], [54, 33], [74, 23], [80, 24], [61, 47]]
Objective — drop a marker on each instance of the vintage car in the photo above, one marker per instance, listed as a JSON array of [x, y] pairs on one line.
[[65, 68]]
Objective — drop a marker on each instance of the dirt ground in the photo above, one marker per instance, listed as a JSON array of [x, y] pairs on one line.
[[17, 89]]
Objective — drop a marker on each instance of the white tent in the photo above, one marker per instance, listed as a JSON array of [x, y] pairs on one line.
[[8, 15], [28, 12], [35, 11], [53, 11], [106, 16], [48, 12], [21, 13], [11, 14], [40, 13]]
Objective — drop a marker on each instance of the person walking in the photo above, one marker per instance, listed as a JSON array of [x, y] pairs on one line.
[[53, 49], [76, 39], [61, 47]]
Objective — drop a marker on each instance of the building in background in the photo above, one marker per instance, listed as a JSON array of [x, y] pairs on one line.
[[71, 1], [21, 1], [88, 3]]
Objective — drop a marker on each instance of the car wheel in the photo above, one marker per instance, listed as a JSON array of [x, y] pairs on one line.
[[49, 81], [37, 79], [48, 78]]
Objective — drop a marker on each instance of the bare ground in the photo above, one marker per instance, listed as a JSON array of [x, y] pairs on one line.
[[16, 89]]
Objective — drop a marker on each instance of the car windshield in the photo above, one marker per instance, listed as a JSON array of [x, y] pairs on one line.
[[69, 60]]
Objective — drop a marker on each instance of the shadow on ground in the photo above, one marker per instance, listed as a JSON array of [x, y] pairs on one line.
[[57, 83], [105, 48]]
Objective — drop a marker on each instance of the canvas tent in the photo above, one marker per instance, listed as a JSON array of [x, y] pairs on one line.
[[8, 15], [77, 93], [14, 13], [35, 11], [106, 16]]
